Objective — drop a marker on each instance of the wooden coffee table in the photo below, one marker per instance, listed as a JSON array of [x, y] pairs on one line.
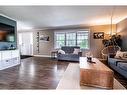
[[95, 74]]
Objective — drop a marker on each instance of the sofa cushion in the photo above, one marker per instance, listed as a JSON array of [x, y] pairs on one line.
[[69, 57], [69, 49], [76, 51], [125, 55], [122, 66], [119, 54]]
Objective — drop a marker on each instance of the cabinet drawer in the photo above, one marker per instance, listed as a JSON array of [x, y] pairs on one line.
[[6, 55], [16, 60], [5, 64]]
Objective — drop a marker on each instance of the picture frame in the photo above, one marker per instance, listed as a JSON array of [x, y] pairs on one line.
[[44, 38], [98, 35]]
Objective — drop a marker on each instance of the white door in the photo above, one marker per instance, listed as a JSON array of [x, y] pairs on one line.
[[26, 43]]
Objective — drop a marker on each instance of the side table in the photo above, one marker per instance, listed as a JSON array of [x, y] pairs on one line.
[[54, 54]]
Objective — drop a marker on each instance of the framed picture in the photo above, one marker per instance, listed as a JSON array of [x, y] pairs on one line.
[[98, 35], [44, 38]]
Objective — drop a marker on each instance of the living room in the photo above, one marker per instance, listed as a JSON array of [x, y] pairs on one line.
[[54, 41]]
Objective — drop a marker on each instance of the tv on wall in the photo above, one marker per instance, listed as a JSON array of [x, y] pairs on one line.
[[7, 33]]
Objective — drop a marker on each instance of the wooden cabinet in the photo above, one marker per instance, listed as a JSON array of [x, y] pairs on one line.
[[9, 58]]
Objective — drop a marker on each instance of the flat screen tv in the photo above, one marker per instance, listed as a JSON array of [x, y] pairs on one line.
[[7, 33]]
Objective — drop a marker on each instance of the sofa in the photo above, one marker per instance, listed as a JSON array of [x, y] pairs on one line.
[[69, 56], [119, 65]]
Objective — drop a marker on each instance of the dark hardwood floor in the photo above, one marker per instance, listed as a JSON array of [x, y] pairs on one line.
[[38, 73], [121, 79], [33, 73]]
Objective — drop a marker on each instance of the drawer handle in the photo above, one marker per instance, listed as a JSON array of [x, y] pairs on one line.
[[7, 60]]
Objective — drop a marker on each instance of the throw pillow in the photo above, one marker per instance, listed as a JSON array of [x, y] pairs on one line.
[[125, 55], [61, 51], [76, 51], [119, 54]]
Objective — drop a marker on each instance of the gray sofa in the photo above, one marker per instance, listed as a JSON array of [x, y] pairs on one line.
[[118, 65], [69, 56]]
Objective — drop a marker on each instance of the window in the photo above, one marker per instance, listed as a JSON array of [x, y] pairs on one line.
[[60, 40], [70, 39], [79, 38], [82, 39]]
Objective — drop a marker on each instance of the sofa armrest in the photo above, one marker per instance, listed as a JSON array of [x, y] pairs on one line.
[[80, 53]]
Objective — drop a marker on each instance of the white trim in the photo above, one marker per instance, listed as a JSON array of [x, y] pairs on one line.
[[42, 55]]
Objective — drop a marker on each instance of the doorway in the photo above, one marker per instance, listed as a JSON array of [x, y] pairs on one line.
[[25, 42]]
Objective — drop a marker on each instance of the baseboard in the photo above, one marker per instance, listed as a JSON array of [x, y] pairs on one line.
[[42, 55]]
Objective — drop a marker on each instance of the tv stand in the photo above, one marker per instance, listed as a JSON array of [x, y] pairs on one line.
[[9, 58]]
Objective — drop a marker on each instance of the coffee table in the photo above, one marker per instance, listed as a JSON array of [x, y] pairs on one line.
[[95, 74]]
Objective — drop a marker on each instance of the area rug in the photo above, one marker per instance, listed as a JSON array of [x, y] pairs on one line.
[[70, 80]]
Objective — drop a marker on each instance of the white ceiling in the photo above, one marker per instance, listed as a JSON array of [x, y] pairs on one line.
[[40, 17]]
